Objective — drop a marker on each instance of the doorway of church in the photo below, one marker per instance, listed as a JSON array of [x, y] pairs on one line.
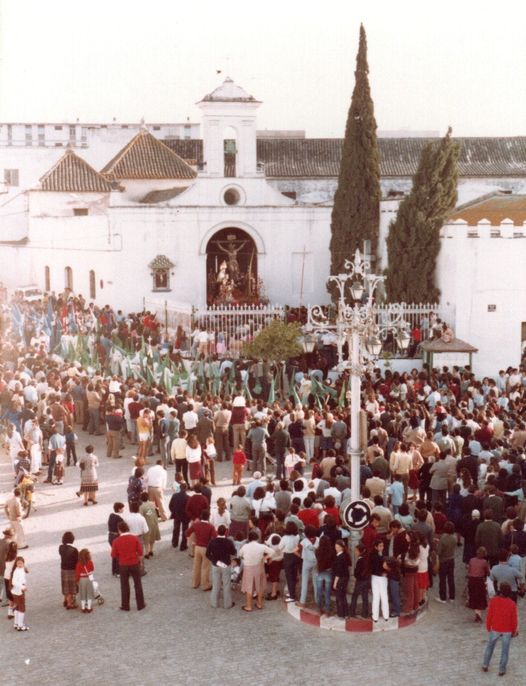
[[231, 268]]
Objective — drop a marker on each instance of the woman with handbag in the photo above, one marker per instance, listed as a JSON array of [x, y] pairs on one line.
[[84, 575], [478, 572]]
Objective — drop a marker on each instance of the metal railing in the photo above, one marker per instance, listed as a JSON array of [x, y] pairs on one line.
[[234, 325], [230, 326]]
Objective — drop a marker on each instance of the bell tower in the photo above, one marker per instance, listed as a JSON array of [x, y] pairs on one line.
[[229, 132]]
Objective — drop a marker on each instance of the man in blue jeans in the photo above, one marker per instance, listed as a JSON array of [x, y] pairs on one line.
[[502, 624]]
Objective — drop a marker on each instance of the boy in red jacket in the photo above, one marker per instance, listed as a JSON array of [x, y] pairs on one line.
[[502, 623], [239, 460]]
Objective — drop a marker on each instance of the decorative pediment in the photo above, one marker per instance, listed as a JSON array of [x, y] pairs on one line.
[[160, 262]]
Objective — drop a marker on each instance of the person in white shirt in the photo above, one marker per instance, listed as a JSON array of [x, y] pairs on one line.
[[115, 386], [178, 454], [221, 515], [13, 444], [35, 443], [190, 419], [336, 494], [254, 554], [156, 480], [30, 393], [18, 592], [136, 522], [202, 342]]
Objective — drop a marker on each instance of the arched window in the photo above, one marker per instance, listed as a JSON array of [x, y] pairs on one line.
[[68, 278], [47, 279], [92, 285]]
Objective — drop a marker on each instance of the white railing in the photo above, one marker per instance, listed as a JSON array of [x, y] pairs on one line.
[[424, 316], [170, 314], [234, 325]]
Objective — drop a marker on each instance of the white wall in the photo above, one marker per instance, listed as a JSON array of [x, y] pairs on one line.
[[281, 236], [119, 238], [476, 270]]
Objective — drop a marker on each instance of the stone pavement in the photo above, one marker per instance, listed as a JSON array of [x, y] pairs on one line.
[[179, 639]]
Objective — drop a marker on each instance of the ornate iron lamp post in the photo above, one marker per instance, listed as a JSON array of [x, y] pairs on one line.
[[358, 323]]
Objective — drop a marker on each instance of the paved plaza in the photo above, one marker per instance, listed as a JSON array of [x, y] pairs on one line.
[[179, 639]]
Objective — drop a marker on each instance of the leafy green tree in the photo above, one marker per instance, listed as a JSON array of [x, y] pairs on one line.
[[414, 236], [356, 209], [277, 341]]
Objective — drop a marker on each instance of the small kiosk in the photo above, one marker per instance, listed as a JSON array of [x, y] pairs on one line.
[[439, 353]]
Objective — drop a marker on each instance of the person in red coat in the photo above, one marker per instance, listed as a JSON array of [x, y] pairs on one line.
[[128, 550], [502, 622]]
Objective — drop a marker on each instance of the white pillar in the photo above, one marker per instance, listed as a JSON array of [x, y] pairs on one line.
[[355, 415]]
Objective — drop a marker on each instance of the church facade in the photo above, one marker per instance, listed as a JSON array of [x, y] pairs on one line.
[[227, 218]]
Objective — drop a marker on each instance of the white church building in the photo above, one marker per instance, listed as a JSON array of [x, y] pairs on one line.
[[235, 216]]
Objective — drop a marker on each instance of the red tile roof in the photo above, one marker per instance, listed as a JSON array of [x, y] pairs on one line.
[[146, 157], [73, 174], [494, 209]]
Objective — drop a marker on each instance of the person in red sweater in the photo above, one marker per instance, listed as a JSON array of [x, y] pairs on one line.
[[329, 507], [502, 622], [239, 461], [128, 550], [308, 515], [370, 533], [203, 533], [84, 577], [196, 503]]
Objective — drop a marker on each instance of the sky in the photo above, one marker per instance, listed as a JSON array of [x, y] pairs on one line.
[[432, 64]]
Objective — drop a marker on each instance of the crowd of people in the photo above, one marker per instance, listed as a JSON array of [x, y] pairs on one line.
[[443, 468]]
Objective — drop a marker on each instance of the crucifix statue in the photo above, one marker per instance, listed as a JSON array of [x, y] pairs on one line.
[[231, 251]]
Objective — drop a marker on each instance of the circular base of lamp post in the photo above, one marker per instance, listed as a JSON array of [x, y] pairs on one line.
[[312, 617]]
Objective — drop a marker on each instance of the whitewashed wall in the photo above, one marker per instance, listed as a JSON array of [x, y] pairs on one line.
[[479, 267]]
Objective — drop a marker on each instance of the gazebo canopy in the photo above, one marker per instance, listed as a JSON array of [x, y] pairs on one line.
[[437, 345]]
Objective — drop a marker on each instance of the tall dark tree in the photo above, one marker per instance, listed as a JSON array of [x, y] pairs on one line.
[[356, 210], [414, 236]]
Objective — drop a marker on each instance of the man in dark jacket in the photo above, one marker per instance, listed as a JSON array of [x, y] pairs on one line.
[[115, 425], [205, 428], [516, 536], [489, 535], [177, 507], [281, 441]]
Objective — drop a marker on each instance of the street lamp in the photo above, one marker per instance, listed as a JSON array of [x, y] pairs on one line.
[[358, 323], [403, 339], [308, 341]]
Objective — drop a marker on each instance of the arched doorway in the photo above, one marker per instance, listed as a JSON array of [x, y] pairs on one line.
[[231, 268]]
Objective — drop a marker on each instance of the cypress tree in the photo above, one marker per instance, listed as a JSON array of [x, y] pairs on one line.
[[356, 209], [413, 242]]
